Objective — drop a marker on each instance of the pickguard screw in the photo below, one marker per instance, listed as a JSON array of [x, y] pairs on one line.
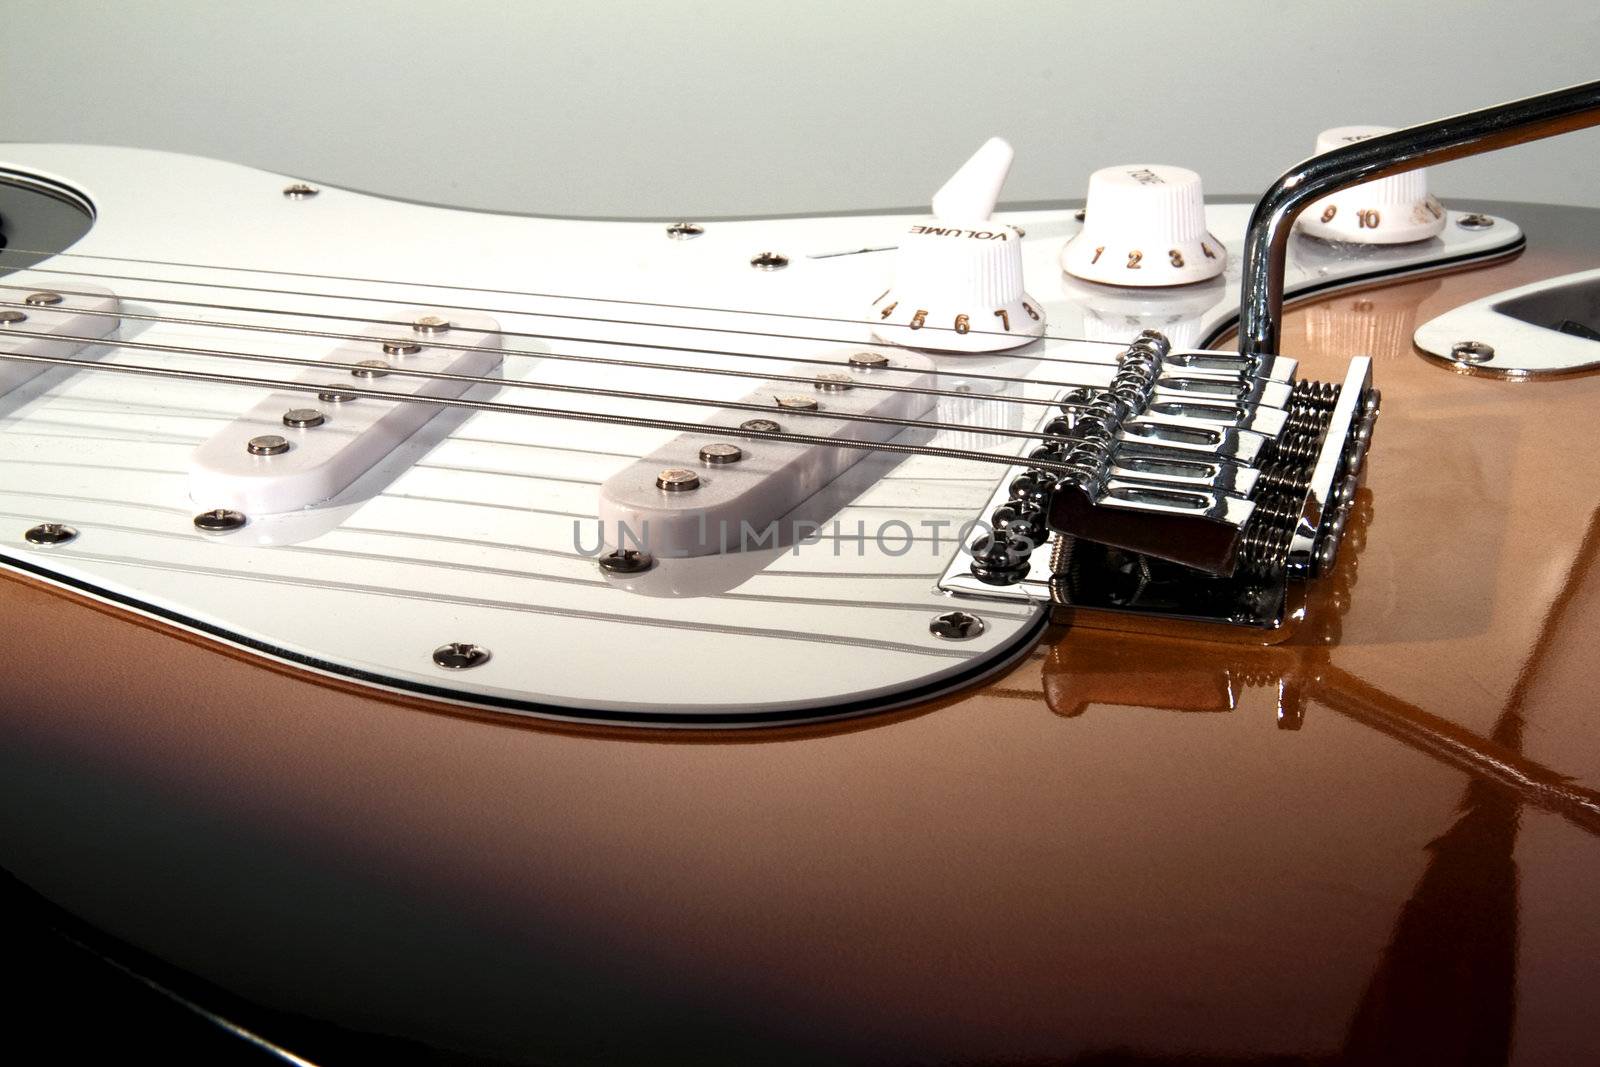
[[300, 191], [720, 453], [1080, 214], [685, 231], [796, 403], [869, 360], [43, 299], [770, 261], [268, 444], [9, 318], [50, 533], [460, 656], [677, 480], [219, 520], [956, 626], [370, 368], [626, 561], [401, 348], [761, 426], [1475, 221], [1471, 352], [834, 381], [303, 418], [430, 324]]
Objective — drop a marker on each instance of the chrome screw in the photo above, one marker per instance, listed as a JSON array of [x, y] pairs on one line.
[[401, 348], [50, 533], [626, 561], [460, 656], [868, 360], [11, 318], [331, 397], [1475, 221], [268, 444], [761, 426], [834, 381], [1471, 352], [300, 191], [956, 626], [430, 324], [770, 261], [371, 368], [720, 453], [44, 299], [677, 480], [685, 231], [796, 403], [303, 418], [219, 520]]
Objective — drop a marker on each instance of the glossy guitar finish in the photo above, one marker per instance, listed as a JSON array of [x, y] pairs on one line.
[[1376, 842]]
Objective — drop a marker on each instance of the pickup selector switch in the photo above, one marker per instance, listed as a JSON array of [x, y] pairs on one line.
[[1144, 225], [958, 279], [1389, 211]]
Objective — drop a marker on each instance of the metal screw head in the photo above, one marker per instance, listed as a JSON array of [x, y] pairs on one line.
[[219, 520], [50, 533], [685, 231], [677, 480], [300, 191], [268, 444], [626, 561], [834, 381], [460, 656], [1475, 221], [401, 348], [956, 626], [332, 397], [1080, 214], [371, 368], [796, 403], [43, 299], [760, 426], [720, 453], [9, 317], [1471, 352], [303, 418], [770, 261], [430, 324], [868, 360]]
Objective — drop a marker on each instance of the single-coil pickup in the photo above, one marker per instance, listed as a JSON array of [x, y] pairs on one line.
[[47, 324], [294, 450], [722, 491]]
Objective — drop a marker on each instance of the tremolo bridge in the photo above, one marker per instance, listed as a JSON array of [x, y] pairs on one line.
[[1197, 486]]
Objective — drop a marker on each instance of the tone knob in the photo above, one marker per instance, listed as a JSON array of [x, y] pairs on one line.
[[958, 280], [1144, 225], [1389, 211]]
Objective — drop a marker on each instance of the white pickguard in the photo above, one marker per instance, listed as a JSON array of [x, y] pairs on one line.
[[473, 539]]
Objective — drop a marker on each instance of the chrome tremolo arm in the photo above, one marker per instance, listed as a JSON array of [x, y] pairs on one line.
[[1267, 240]]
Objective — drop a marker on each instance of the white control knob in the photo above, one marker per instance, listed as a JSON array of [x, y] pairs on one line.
[[958, 280], [1144, 225], [1389, 211]]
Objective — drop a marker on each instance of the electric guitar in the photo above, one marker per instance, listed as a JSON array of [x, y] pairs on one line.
[[992, 635]]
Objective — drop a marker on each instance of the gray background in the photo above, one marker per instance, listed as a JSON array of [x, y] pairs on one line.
[[723, 107]]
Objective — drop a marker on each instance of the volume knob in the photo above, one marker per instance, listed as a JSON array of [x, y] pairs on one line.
[[1389, 211], [958, 280], [1144, 225]]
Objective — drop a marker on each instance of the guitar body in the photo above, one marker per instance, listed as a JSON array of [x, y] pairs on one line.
[[1373, 841]]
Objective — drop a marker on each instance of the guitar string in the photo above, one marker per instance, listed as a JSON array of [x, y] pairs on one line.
[[536, 295], [677, 368], [401, 371], [856, 342], [676, 425]]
